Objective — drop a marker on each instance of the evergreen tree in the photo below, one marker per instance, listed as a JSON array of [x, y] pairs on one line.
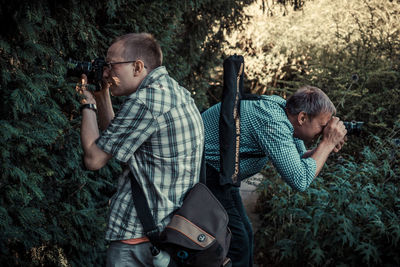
[[52, 210]]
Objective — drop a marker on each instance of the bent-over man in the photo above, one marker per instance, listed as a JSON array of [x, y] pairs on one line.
[[275, 130]]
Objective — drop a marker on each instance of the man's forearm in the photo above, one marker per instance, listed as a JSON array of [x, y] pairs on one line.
[[94, 157], [89, 129], [105, 109], [321, 154]]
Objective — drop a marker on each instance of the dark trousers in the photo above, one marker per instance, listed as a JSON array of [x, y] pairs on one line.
[[241, 248]]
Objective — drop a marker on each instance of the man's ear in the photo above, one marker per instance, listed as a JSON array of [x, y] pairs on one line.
[[301, 118], [138, 67]]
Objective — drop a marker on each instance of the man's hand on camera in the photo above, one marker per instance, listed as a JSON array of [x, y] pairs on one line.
[[82, 89], [339, 146], [332, 141], [334, 133]]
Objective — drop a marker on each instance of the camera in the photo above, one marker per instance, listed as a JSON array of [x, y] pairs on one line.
[[93, 70], [353, 127]]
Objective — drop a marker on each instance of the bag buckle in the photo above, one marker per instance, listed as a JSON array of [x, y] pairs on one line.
[[153, 235], [154, 250]]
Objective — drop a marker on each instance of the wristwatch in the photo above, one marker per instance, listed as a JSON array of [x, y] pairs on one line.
[[89, 106]]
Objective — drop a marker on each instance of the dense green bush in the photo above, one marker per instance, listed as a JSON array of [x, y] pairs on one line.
[[52, 210], [350, 215]]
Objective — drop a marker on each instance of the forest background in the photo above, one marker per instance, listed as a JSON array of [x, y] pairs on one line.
[[53, 211]]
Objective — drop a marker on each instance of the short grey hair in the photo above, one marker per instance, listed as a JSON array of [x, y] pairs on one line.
[[311, 100]]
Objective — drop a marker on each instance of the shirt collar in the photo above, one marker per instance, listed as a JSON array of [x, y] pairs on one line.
[[153, 76]]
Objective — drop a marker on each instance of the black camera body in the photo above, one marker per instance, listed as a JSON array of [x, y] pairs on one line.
[[353, 127], [93, 70]]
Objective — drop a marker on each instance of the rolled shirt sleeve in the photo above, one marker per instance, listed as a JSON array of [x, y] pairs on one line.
[[301, 148], [131, 126]]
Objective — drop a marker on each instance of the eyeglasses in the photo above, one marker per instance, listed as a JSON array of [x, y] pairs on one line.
[[109, 65]]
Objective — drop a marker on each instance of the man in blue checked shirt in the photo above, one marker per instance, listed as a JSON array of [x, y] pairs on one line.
[[272, 129], [158, 132]]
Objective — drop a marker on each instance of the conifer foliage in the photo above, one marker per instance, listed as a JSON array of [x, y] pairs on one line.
[[52, 210]]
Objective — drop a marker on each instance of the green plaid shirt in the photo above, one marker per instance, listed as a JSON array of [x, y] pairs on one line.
[[267, 133], [159, 133]]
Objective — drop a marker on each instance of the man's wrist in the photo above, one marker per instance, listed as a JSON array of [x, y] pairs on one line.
[[327, 145], [89, 106]]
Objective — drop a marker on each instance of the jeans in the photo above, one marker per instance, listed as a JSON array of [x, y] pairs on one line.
[[241, 248], [125, 255]]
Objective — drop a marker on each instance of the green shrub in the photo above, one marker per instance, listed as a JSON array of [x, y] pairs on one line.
[[350, 215]]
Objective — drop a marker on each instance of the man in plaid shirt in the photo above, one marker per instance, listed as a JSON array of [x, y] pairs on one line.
[[158, 132], [272, 129]]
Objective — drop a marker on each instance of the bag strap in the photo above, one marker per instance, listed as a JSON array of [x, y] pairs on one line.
[[144, 214], [203, 175]]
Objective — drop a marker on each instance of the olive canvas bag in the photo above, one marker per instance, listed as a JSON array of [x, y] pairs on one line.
[[198, 233]]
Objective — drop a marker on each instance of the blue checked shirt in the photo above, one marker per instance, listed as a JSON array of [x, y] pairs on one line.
[[265, 131], [159, 133]]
